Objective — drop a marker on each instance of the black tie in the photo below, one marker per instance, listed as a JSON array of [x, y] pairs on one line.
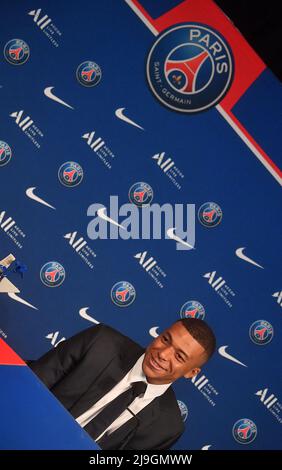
[[114, 409]]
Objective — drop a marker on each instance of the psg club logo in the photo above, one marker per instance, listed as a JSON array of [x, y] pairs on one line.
[[123, 294], [70, 174], [183, 410], [261, 332], [192, 309], [244, 431], [16, 51], [190, 67], [52, 274], [88, 73], [210, 214], [141, 194], [5, 153]]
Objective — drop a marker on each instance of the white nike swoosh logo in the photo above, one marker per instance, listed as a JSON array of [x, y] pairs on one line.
[[29, 193], [206, 447], [101, 213], [83, 314], [223, 353], [170, 234], [153, 331], [120, 115], [239, 253], [49, 94], [22, 301]]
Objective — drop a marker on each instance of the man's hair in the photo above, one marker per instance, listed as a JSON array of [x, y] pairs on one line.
[[202, 333]]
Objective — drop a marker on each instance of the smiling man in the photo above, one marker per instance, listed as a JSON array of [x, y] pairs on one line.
[[120, 393]]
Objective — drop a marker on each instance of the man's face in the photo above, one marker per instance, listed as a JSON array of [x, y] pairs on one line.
[[173, 354]]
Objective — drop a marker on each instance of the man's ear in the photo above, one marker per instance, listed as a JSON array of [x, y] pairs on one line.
[[192, 373]]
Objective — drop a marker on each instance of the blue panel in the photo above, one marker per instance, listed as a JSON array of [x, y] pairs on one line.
[[30, 413], [157, 8], [260, 112]]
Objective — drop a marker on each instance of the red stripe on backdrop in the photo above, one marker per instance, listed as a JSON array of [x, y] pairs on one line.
[[8, 357]]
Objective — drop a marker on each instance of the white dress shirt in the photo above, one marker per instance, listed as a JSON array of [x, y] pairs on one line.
[[135, 374]]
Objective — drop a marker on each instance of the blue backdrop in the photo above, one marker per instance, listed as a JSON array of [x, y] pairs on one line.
[[227, 155]]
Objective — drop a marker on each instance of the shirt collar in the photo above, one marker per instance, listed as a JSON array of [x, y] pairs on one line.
[[136, 374]]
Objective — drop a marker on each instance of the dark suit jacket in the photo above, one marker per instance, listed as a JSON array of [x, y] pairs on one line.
[[82, 369]]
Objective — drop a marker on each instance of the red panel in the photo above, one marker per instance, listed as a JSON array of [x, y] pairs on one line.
[[8, 357]]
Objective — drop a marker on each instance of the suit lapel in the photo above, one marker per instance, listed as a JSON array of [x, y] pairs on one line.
[[113, 372], [121, 436]]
